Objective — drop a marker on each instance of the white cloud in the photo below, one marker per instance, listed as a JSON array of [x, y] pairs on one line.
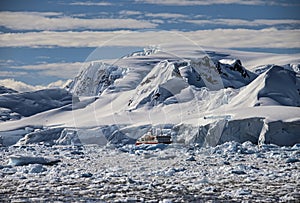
[[9, 74], [129, 12], [19, 86], [64, 71], [165, 15], [6, 62], [240, 22], [44, 14], [211, 2], [219, 38], [89, 3], [60, 70], [59, 84], [53, 21], [157, 21], [23, 87]]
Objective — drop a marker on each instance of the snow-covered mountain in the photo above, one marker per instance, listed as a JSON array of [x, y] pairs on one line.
[[4, 90], [276, 86], [95, 79], [168, 79], [202, 98], [291, 67], [30, 103]]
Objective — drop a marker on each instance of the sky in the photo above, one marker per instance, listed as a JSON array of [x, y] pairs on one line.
[[42, 42]]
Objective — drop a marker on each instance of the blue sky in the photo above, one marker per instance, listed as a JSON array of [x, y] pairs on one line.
[[40, 37]]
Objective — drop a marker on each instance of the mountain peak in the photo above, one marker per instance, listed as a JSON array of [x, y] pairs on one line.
[[96, 78]]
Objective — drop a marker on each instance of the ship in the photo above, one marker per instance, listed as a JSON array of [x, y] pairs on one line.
[[149, 138]]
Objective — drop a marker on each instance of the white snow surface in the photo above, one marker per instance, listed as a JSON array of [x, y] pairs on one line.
[[213, 94]]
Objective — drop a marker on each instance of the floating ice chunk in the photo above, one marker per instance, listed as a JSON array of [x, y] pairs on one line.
[[210, 189], [296, 146], [131, 199], [9, 138], [292, 160], [68, 137], [290, 197], [170, 172], [8, 171], [26, 160], [37, 168], [203, 180], [238, 172], [191, 158], [151, 147], [130, 181], [46, 136], [86, 175], [166, 201], [241, 192]]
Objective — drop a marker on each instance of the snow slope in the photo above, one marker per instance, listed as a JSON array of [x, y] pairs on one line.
[[277, 86], [95, 79], [30, 103], [167, 79], [4, 90]]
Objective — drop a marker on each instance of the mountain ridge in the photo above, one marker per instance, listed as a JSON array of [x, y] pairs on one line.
[[214, 97]]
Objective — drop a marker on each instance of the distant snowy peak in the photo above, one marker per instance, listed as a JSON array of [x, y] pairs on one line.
[[162, 82], [30, 103], [281, 86], [145, 52], [217, 74], [7, 114], [234, 74], [276, 86], [96, 78], [262, 69], [206, 73], [99, 77], [291, 67], [168, 79], [5, 90]]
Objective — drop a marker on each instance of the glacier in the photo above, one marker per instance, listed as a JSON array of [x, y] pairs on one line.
[[202, 98]]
